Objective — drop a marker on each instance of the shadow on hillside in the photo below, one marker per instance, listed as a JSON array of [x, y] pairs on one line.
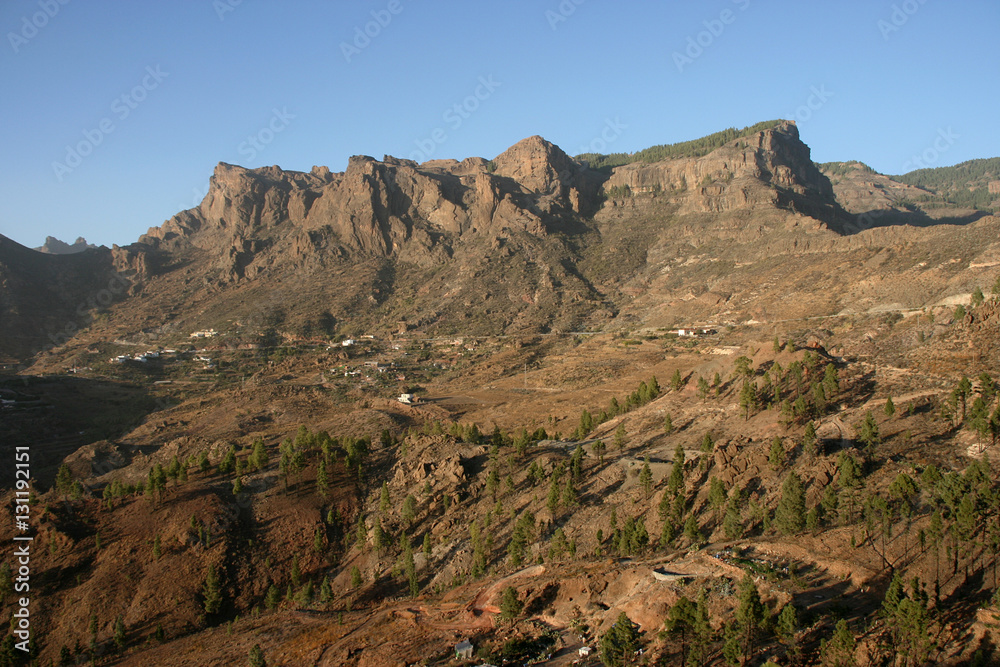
[[56, 415], [914, 218]]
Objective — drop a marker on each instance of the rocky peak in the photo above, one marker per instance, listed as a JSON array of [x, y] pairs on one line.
[[54, 246], [537, 165], [762, 169]]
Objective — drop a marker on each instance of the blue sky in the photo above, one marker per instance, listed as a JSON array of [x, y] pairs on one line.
[[114, 114]]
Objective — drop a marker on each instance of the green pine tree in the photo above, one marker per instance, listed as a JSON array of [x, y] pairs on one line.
[[789, 518], [212, 592], [510, 604], [256, 657]]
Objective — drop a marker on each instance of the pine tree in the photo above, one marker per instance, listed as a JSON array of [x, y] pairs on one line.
[[889, 409], [620, 436], [977, 297], [691, 531], [64, 479], [119, 633], [749, 615], [776, 457], [702, 387], [668, 424], [732, 523], [599, 448], [523, 529], [809, 439], [586, 424], [409, 514], [868, 433], [322, 478], [717, 495], [273, 597], [839, 651], [555, 494], [680, 623], [788, 623], [93, 632], [296, 574], [646, 477], [744, 367], [620, 643], [576, 463], [675, 483], [702, 627], [356, 580], [410, 568], [211, 592], [258, 456], [790, 515], [510, 604], [748, 398], [325, 591], [677, 381], [256, 657], [570, 496]]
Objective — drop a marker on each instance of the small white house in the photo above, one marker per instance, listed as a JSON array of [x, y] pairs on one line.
[[464, 649], [584, 651], [347, 342], [406, 398]]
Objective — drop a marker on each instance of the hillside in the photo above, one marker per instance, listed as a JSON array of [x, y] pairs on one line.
[[705, 390]]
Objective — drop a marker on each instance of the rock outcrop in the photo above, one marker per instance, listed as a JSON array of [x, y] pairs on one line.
[[746, 173]]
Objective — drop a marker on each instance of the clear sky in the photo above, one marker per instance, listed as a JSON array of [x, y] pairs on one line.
[[114, 114]]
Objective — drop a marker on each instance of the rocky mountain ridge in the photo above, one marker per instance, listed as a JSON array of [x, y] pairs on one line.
[[529, 241]]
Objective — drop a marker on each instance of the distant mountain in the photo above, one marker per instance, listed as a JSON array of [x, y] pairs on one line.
[[975, 183], [46, 299], [54, 246]]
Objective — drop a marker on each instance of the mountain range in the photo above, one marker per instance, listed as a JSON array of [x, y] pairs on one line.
[[710, 400]]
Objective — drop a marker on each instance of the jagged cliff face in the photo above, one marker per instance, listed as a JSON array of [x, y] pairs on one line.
[[527, 242], [253, 219], [389, 208], [746, 173]]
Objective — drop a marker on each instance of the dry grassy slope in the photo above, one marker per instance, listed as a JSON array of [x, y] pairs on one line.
[[122, 578]]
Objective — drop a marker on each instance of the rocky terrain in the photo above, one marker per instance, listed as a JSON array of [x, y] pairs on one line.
[[635, 390]]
